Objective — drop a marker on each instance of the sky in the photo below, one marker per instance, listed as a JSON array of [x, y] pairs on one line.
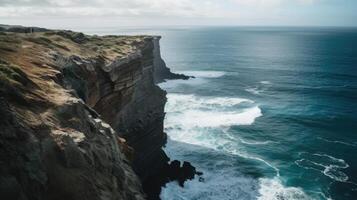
[[106, 13]]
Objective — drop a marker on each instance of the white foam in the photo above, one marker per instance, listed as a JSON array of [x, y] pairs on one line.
[[339, 162], [170, 84], [333, 170], [326, 164], [338, 142], [198, 118], [265, 82], [203, 74], [230, 186], [255, 91], [247, 156], [201, 77], [273, 189], [228, 183], [221, 184], [244, 141], [204, 122], [190, 101], [191, 111], [255, 142]]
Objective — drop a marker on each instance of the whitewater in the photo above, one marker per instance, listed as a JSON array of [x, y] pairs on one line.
[[200, 125], [270, 115]]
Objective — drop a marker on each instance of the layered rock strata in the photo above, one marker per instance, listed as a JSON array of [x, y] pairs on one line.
[[162, 72], [80, 114]]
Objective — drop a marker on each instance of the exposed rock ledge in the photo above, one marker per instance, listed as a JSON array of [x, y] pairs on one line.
[[67, 101], [162, 72]]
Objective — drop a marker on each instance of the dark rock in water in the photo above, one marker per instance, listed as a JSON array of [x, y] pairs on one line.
[[189, 171], [174, 170], [161, 71], [170, 75], [171, 172]]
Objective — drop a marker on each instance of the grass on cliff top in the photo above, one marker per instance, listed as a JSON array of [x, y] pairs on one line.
[[12, 80], [46, 42], [70, 43], [8, 43], [11, 75], [109, 46]]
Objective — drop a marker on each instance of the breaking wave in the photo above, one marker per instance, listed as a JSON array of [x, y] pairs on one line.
[[203, 74], [204, 122]]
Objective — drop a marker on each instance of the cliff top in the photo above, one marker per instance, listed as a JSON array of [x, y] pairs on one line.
[[30, 65], [52, 141], [37, 55], [68, 43]]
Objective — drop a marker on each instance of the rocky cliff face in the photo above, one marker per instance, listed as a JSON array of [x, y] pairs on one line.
[[162, 72], [67, 101]]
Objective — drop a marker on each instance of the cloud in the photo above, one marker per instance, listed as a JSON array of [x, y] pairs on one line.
[[307, 2], [171, 12], [273, 3], [183, 8], [143, 8]]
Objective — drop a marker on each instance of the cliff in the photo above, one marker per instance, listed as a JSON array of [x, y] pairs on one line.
[[79, 114], [162, 72]]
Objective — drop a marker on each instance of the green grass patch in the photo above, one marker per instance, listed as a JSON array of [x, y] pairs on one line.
[[12, 75], [12, 82]]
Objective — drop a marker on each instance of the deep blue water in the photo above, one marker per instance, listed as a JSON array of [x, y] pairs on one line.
[[271, 113]]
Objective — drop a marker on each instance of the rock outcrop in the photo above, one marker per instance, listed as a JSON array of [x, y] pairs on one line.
[[162, 72], [80, 114], [172, 171], [54, 145]]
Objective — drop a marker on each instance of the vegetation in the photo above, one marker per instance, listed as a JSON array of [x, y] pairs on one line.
[[46, 42], [11, 81], [11, 74]]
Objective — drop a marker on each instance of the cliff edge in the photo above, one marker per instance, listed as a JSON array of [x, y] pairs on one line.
[[79, 114]]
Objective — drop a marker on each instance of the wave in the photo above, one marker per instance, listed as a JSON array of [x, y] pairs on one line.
[[326, 164], [200, 78], [273, 189], [191, 111], [222, 184], [256, 142], [255, 91], [170, 84], [203, 74], [244, 141], [222, 180], [189, 101], [204, 122], [338, 142], [265, 82], [226, 186], [247, 156], [199, 118]]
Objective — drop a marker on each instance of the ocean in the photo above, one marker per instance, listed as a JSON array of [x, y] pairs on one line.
[[270, 115]]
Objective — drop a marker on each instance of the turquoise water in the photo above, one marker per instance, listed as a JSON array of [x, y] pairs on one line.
[[270, 115]]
